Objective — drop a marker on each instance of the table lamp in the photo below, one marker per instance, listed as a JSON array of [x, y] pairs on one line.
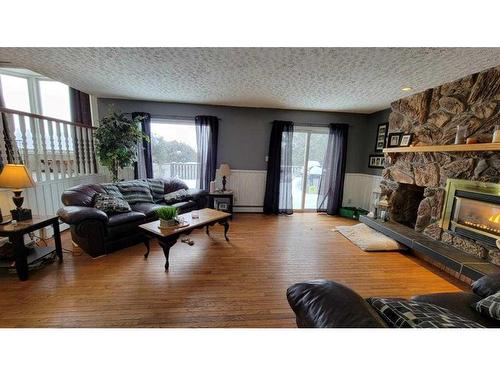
[[224, 171], [17, 177]]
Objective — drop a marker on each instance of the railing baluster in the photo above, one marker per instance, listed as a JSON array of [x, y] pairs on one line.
[[53, 163], [44, 148], [34, 124], [22, 127], [62, 165], [3, 149], [93, 151], [71, 164], [85, 150], [89, 150], [82, 150]]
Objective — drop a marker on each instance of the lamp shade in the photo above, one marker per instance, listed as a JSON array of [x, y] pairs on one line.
[[15, 176], [224, 170]]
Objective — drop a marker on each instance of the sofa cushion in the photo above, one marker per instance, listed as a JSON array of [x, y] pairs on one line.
[[81, 195], [176, 196], [125, 218], [157, 188], [489, 306], [400, 313], [112, 189], [146, 208], [111, 204], [487, 285], [461, 303], [135, 191], [173, 184]]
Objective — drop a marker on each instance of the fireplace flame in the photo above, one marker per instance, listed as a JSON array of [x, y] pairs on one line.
[[483, 226], [495, 219]]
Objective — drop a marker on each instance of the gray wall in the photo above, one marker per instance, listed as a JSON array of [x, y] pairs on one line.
[[244, 132], [369, 140]]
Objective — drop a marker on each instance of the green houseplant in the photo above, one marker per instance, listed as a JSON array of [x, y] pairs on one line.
[[167, 216], [117, 138]]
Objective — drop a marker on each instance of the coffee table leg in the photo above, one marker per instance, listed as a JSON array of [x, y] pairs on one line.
[[57, 240], [148, 247], [166, 244], [225, 224]]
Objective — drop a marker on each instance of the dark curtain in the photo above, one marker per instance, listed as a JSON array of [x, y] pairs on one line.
[[331, 185], [143, 168], [278, 198], [207, 132], [80, 113]]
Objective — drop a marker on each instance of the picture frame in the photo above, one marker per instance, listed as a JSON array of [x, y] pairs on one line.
[[376, 161], [394, 139], [381, 138], [406, 140]]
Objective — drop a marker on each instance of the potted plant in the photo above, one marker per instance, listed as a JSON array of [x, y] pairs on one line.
[[117, 138], [168, 216]]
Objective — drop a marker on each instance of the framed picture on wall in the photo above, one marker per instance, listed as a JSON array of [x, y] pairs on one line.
[[380, 141], [394, 139], [406, 140], [376, 161]]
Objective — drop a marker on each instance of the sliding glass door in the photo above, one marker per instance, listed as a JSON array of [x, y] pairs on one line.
[[308, 153]]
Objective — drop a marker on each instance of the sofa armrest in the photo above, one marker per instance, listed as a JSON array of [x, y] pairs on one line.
[[75, 214], [487, 285], [327, 304]]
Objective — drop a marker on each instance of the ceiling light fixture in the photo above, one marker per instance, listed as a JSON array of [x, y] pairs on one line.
[[407, 88]]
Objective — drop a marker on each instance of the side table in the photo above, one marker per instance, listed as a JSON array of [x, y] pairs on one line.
[[23, 256], [225, 198]]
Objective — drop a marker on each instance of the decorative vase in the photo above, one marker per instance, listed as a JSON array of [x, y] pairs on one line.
[[167, 223]]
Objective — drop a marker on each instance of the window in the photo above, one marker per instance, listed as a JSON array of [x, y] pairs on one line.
[[308, 153], [174, 150], [15, 93], [54, 99]]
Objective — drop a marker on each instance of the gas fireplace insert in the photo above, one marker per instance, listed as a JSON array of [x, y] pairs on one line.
[[472, 209]]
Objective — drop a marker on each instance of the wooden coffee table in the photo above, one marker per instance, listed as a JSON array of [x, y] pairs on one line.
[[168, 237]]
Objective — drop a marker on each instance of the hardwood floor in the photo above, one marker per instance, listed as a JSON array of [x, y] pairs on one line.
[[214, 283]]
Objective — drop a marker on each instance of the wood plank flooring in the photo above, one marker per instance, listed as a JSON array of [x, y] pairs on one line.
[[214, 283]]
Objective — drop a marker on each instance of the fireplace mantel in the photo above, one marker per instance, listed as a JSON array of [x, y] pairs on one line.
[[446, 148]]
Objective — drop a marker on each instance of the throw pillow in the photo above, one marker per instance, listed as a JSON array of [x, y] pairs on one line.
[[176, 196], [157, 188], [111, 204], [135, 191], [399, 313], [112, 190], [489, 306]]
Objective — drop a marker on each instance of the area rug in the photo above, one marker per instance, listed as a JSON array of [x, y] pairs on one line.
[[369, 239]]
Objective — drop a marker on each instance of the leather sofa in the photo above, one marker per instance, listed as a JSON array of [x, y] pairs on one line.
[[327, 304], [98, 233]]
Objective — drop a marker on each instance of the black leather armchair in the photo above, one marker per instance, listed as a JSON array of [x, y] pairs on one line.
[[327, 304], [98, 233]]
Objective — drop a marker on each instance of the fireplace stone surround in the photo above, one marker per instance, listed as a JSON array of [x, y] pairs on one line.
[[432, 116]]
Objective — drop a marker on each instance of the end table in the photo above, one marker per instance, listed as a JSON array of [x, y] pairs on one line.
[[24, 256], [224, 197]]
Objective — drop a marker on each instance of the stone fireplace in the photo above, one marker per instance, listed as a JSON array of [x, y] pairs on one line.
[[415, 182]]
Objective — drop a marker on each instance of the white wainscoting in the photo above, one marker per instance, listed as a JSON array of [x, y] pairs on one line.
[[249, 187], [359, 188]]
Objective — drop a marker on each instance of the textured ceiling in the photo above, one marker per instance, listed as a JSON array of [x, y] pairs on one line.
[[360, 80]]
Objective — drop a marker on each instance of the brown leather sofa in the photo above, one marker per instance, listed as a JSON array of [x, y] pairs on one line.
[[98, 233], [327, 304]]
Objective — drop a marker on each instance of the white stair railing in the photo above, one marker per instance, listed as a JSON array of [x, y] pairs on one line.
[[51, 148]]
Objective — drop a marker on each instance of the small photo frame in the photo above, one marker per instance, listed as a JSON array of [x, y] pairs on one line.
[[394, 139], [376, 161], [380, 140], [223, 206], [406, 140]]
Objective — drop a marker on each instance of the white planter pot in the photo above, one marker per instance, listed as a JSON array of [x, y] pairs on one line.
[[168, 223]]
